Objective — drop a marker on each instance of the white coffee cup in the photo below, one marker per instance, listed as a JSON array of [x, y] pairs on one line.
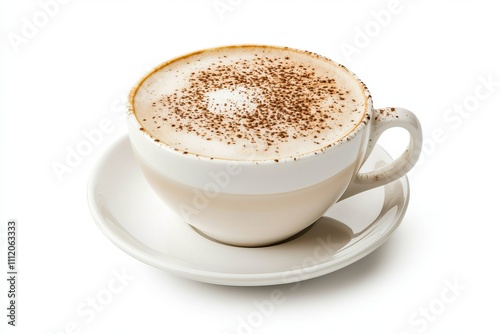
[[258, 203]]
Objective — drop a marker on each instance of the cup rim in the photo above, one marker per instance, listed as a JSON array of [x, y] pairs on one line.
[[137, 126]]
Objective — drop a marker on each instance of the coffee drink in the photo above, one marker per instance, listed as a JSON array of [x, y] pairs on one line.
[[249, 103], [252, 144]]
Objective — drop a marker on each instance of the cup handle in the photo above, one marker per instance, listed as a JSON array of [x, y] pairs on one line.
[[384, 119]]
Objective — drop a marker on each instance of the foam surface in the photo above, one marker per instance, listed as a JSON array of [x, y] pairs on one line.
[[249, 103]]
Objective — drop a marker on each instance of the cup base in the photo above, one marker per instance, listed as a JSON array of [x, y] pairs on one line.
[[293, 237], [244, 219]]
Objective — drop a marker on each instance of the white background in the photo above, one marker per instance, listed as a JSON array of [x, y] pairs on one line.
[[74, 70]]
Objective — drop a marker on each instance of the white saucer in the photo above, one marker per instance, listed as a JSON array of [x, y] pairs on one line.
[[134, 219]]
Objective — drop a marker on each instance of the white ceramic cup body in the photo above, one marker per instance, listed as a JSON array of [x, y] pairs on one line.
[[257, 203]]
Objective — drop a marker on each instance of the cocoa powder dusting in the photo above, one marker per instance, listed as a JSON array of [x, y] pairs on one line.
[[276, 100]]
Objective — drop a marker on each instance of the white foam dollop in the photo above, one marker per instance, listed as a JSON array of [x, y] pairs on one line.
[[233, 100]]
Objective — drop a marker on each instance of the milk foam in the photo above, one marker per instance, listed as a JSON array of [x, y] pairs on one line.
[[249, 103]]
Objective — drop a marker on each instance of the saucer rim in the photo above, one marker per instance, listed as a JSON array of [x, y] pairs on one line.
[[147, 255]]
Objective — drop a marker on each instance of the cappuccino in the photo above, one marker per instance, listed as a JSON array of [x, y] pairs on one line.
[[249, 103], [217, 133]]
